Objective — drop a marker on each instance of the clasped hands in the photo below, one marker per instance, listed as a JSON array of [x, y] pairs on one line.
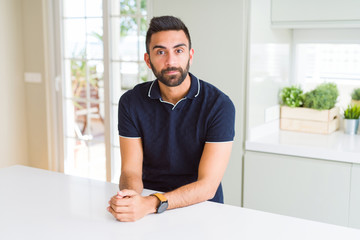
[[129, 206]]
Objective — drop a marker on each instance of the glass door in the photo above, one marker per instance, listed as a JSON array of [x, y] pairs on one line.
[[83, 94], [102, 48]]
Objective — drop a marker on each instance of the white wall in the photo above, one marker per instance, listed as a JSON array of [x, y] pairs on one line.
[[217, 33], [269, 62], [23, 136], [13, 130], [35, 102]]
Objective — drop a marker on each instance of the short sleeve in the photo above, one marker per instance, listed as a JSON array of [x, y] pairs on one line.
[[126, 123], [221, 126]]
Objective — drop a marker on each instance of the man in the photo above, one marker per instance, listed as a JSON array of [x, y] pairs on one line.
[[175, 132]]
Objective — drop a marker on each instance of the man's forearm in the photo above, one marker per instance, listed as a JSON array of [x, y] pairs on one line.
[[211, 170], [189, 194], [132, 182]]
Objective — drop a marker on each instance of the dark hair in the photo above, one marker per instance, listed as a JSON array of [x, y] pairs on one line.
[[165, 23]]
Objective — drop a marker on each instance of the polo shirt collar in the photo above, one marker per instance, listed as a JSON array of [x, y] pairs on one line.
[[194, 88], [154, 90]]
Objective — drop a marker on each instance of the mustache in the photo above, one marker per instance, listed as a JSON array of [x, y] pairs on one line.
[[171, 69]]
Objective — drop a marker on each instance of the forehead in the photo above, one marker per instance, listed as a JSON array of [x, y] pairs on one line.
[[169, 38]]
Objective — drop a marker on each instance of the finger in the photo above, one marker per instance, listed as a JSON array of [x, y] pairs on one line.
[[118, 209], [115, 214], [120, 195], [115, 199], [122, 217], [121, 201], [118, 206]]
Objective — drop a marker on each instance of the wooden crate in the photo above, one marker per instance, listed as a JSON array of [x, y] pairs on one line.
[[357, 102], [309, 120]]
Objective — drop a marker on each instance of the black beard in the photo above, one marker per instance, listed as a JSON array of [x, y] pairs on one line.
[[173, 80]]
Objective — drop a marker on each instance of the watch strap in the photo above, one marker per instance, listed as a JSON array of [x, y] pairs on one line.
[[160, 196], [163, 205]]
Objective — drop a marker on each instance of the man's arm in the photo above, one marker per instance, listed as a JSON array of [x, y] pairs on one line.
[[212, 167], [129, 205], [131, 164]]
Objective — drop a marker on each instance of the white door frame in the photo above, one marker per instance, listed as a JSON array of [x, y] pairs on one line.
[[53, 86]]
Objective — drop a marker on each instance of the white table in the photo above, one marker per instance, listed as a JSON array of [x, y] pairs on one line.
[[39, 204]]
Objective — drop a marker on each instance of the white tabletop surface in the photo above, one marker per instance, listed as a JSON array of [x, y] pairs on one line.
[[336, 146], [39, 204]]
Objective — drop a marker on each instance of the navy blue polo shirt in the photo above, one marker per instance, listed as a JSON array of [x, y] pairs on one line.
[[173, 136]]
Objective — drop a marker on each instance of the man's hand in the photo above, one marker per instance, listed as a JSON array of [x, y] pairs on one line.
[[130, 206]]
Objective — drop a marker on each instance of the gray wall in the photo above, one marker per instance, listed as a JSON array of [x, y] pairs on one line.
[[217, 33]]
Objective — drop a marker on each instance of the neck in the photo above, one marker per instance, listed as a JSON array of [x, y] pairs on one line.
[[174, 94]]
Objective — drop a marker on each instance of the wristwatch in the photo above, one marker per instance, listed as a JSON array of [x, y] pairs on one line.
[[163, 205]]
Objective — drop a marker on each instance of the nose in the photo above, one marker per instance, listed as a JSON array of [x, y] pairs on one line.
[[170, 59]]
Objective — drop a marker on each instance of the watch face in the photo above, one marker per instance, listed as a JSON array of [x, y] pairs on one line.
[[163, 206]]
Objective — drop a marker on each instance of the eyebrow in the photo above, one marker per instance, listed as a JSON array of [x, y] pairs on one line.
[[176, 46], [180, 45]]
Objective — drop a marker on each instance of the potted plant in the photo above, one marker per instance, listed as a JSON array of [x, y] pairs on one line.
[[312, 112], [323, 97], [292, 96], [355, 96], [351, 119]]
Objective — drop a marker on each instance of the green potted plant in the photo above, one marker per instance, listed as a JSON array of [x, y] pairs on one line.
[[323, 97], [292, 96], [312, 112], [351, 119], [355, 96]]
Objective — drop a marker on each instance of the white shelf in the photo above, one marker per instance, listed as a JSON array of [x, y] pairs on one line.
[[336, 146]]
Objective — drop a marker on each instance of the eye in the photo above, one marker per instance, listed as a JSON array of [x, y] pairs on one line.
[[160, 52], [179, 50]]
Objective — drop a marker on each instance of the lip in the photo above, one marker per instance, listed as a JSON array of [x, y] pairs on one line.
[[171, 72]]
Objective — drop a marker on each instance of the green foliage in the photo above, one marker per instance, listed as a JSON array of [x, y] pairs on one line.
[[128, 24], [98, 36], [356, 94], [292, 96], [80, 70], [322, 97], [352, 112]]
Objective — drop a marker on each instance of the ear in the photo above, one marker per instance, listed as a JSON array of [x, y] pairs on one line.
[[191, 53], [147, 60]]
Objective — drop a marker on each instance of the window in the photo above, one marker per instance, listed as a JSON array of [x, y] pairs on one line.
[[334, 57], [103, 42]]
